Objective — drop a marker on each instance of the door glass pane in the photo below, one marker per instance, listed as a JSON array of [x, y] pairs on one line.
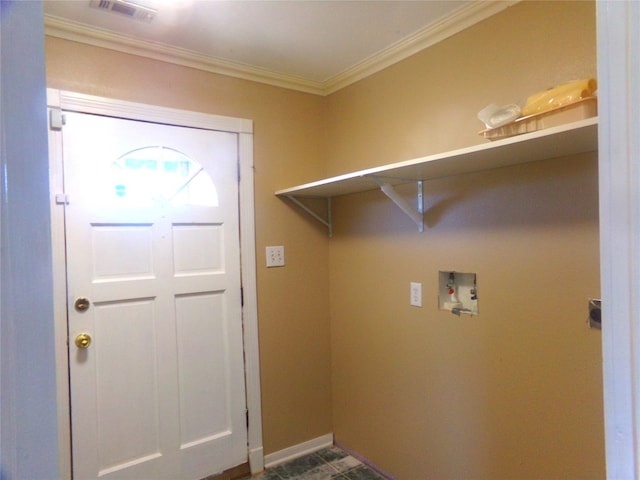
[[160, 176]]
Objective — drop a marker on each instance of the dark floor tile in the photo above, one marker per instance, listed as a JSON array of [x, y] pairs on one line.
[[323, 472], [345, 464], [329, 463], [362, 473], [331, 453], [298, 467]]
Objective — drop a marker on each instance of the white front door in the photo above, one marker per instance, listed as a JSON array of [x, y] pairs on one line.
[[152, 241]]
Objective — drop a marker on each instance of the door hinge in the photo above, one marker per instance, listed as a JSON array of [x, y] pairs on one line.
[[56, 119], [62, 199], [242, 296], [246, 414]]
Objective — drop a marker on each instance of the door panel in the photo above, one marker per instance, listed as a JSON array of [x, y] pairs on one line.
[[153, 241], [201, 347], [121, 252], [131, 396], [197, 249]]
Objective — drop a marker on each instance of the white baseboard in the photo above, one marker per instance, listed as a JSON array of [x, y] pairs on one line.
[[256, 460], [299, 450]]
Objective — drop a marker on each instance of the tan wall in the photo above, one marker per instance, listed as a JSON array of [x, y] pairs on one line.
[[288, 142], [512, 393], [516, 392]]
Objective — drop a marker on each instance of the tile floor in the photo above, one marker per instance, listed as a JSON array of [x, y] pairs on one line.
[[327, 464]]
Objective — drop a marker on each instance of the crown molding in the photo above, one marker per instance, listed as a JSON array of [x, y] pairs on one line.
[[447, 26], [457, 21], [97, 37]]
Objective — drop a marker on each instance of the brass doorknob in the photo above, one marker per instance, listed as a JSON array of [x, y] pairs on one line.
[[82, 304], [83, 340]]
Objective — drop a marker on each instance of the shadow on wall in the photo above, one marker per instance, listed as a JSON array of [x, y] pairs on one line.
[[531, 194], [532, 190]]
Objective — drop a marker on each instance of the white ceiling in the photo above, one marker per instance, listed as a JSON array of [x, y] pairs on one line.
[[314, 46]]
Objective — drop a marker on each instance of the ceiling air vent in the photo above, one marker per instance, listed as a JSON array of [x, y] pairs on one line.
[[129, 9]]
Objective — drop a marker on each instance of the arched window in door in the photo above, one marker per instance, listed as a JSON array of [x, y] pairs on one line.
[[159, 176]]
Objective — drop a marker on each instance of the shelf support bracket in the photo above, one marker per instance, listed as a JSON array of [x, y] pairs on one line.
[[415, 214], [328, 222]]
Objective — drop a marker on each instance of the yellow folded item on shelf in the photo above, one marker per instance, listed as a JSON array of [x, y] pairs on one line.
[[558, 96], [571, 112]]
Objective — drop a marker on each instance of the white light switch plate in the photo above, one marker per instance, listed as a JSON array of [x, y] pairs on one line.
[[275, 256], [416, 294]]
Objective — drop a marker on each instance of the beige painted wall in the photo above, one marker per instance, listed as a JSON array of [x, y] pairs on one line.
[[516, 392], [288, 143], [513, 393]]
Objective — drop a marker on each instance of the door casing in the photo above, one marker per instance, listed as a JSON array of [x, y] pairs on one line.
[[63, 100]]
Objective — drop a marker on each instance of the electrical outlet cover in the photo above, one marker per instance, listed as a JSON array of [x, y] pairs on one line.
[[275, 256]]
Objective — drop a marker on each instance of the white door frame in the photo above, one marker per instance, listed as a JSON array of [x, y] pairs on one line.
[[56, 100], [619, 171]]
